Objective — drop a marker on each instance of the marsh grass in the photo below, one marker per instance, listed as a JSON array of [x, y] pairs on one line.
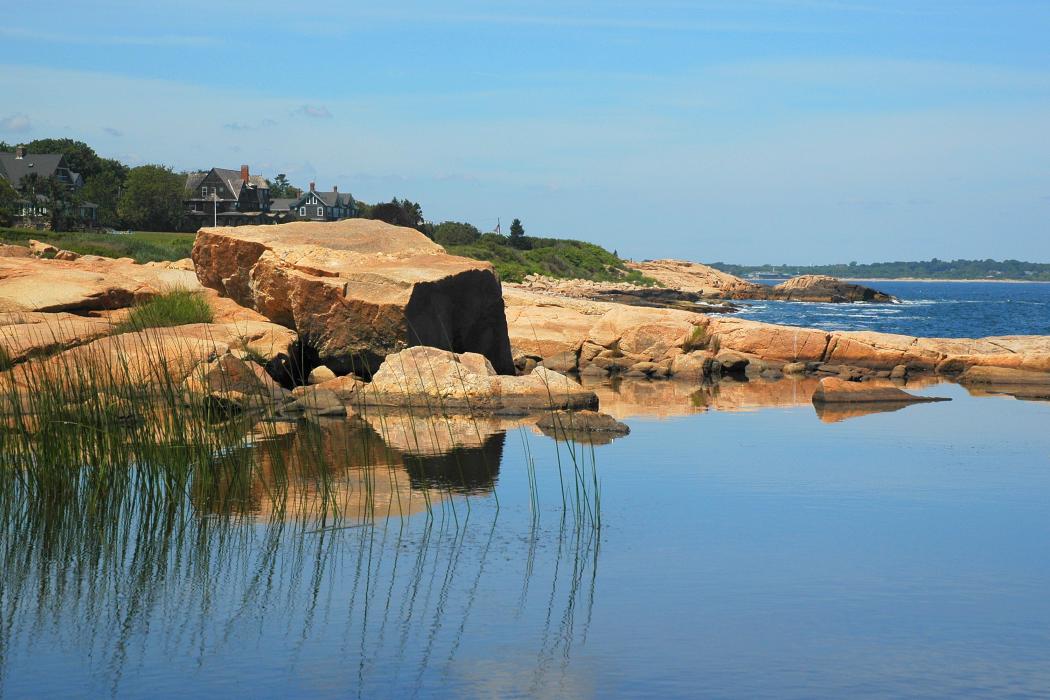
[[177, 307]]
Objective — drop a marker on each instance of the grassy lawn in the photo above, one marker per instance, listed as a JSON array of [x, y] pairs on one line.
[[142, 246]]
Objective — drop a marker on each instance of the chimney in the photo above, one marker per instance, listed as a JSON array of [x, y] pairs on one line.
[[20, 151], [244, 173], [335, 189], [313, 186]]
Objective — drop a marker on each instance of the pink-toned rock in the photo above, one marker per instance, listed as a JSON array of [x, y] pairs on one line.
[[835, 390], [439, 380], [33, 334], [695, 277], [357, 290]]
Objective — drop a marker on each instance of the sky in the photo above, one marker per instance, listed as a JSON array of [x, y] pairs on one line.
[[746, 131]]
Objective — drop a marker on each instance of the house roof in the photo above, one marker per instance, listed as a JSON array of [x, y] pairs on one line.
[[232, 178], [330, 199], [43, 164], [282, 203]]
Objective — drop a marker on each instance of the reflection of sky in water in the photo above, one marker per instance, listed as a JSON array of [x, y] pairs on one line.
[[930, 309], [754, 554]]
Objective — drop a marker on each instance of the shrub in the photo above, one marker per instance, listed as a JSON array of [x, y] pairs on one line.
[[175, 308]]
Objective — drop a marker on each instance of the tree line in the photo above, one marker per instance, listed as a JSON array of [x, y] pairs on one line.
[[921, 269]]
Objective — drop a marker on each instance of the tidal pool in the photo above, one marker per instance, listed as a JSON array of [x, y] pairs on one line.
[[747, 547]]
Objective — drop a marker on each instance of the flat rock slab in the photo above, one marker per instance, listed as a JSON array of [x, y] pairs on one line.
[[89, 283], [833, 390], [358, 290], [442, 381]]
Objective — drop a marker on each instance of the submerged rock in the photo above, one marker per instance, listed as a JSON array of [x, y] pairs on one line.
[[582, 426], [358, 290], [822, 288]]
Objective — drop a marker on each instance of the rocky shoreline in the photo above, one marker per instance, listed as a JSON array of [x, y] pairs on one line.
[[327, 319]]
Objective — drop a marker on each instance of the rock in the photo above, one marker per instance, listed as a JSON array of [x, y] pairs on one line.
[[794, 368], [319, 375], [228, 376], [835, 390], [27, 335], [691, 366], [699, 279], [41, 249], [347, 388], [66, 255], [646, 368], [317, 401], [561, 362], [14, 251], [357, 290], [582, 426], [36, 284], [593, 371], [439, 380], [821, 288], [732, 363], [1004, 376], [899, 372]]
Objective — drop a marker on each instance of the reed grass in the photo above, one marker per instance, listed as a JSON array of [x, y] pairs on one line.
[[177, 307]]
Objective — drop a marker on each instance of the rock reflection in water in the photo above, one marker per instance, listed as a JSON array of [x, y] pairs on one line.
[[358, 468]]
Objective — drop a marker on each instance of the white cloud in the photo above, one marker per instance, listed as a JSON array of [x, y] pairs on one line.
[[17, 123], [314, 112]]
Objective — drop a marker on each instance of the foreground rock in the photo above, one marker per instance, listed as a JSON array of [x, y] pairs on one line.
[[358, 290], [441, 381], [838, 391], [87, 284]]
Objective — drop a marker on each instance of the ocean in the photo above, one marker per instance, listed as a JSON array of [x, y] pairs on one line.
[[928, 309]]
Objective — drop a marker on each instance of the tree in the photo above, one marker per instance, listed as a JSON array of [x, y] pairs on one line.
[[456, 233], [517, 235], [104, 189], [152, 198], [8, 202], [281, 187], [399, 213]]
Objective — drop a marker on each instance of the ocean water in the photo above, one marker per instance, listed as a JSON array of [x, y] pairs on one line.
[[930, 309]]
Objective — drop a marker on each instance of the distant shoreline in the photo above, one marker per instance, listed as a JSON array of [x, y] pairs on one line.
[[932, 279]]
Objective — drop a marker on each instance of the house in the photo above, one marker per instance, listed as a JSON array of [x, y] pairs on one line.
[[323, 206], [31, 174], [228, 197]]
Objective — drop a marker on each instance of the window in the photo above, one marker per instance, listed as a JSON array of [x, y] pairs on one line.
[[302, 211], [204, 191], [320, 211]]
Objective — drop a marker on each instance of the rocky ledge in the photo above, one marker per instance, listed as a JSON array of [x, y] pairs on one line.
[[714, 284]]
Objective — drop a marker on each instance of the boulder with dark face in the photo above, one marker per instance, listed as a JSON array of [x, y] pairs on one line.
[[358, 290], [821, 288]]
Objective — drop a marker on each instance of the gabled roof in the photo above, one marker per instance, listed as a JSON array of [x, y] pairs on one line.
[[43, 164], [232, 178], [282, 203], [329, 199]]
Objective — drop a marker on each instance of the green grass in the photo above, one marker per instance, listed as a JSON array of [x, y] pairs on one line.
[[552, 257], [175, 308], [142, 246]]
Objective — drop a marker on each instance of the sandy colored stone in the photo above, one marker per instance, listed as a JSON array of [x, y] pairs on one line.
[[358, 290], [33, 334], [825, 289], [835, 390], [320, 375], [439, 380], [695, 277], [979, 375], [228, 373]]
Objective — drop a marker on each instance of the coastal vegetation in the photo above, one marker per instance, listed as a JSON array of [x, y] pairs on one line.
[[178, 307], [923, 269], [141, 246]]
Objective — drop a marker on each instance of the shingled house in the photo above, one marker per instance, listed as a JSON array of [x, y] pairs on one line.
[[31, 175], [314, 205], [228, 197]]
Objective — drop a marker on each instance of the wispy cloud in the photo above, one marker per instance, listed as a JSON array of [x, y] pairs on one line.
[[237, 126], [110, 40], [313, 111], [245, 126], [17, 123], [113, 132]]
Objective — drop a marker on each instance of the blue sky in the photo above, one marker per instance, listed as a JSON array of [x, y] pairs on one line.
[[782, 131]]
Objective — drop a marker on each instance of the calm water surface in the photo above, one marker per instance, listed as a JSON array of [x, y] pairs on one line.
[[744, 551], [929, 309]]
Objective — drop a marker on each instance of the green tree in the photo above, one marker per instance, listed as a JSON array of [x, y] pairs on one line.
[[399, 213], [517, 236], [456, 233], [104, 189], [152, 199], [9, 197], [281, 187]]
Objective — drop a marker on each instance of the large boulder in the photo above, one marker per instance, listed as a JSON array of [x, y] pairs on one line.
[[822, 288], [358, 290], [699, 279]]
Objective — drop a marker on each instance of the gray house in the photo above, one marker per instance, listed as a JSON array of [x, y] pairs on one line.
[[227, 197], [30, 174], [323, 206]]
